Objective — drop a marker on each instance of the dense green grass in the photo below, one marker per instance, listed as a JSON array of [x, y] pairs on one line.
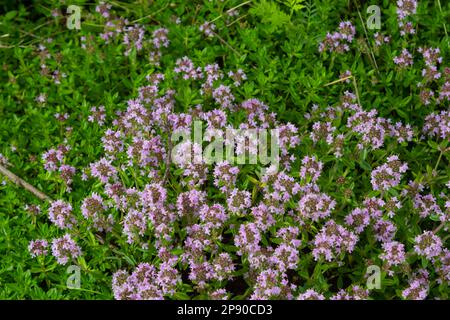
[[276, 44]]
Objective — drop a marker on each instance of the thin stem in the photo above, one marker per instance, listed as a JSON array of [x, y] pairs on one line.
[[445, 28], [238, 19], [368, 43], [438, 160], [354, 85], [150, 15], [439, 227], [356, 90], [226, 43], [229, 10], [337, 81]]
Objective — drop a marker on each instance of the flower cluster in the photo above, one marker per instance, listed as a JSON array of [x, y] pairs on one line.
[[404, 60], [339, 41], [406, 8], [60, 213], [333, 240], [388, 175], [145, 282], [38, 247], [65, 249]]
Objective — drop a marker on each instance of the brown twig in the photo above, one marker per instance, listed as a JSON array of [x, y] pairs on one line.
[[22, 183], [439, 227], [337, 81], [230, 10], [225, 43], [355, 86]]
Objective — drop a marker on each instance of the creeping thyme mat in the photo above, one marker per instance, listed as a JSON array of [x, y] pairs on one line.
[[224, 150]]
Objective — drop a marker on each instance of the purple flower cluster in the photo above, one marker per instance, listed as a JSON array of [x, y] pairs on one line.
[[381, 39], [213, 216], [60, 213], [406, 8], [33, 209], [133, 38], [388, 175], [310, 294], [248, 238], [393, 253], [311, 169], [384, 230], [352, 293], [442, 266], [190, 202], [97, 115], [263, 217], [186, 68], [428, 245], [418, 287], [237, 77], [160, 38], [222, 96], [225, 176], [359, 219], [404, 60], [103, 170], [135, 224], [53, 158], [146, 282], [212, 73], [333, 240], [238, 201], [272, 284], [93, 209], [339, 41], [426, 205], [65, 249], [438, 125], [38, 248], [431, 75], [66, 173], [103, 8], [316, 206], [208, 29]]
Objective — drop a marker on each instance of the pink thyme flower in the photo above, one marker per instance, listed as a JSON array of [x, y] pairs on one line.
[[97, 115], [359, 219], [38, 248], [60, 213], [332, 240], [404, 60], [65, 249], [428, 245], [393, 253], [310, 294], [208, 29], [239, 200], [103, 170], [418, 287], [388, 175]]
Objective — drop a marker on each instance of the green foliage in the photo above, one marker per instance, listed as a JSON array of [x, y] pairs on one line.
[[276, 45]]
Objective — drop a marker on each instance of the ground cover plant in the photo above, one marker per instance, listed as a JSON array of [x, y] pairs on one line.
[[122, 122]]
